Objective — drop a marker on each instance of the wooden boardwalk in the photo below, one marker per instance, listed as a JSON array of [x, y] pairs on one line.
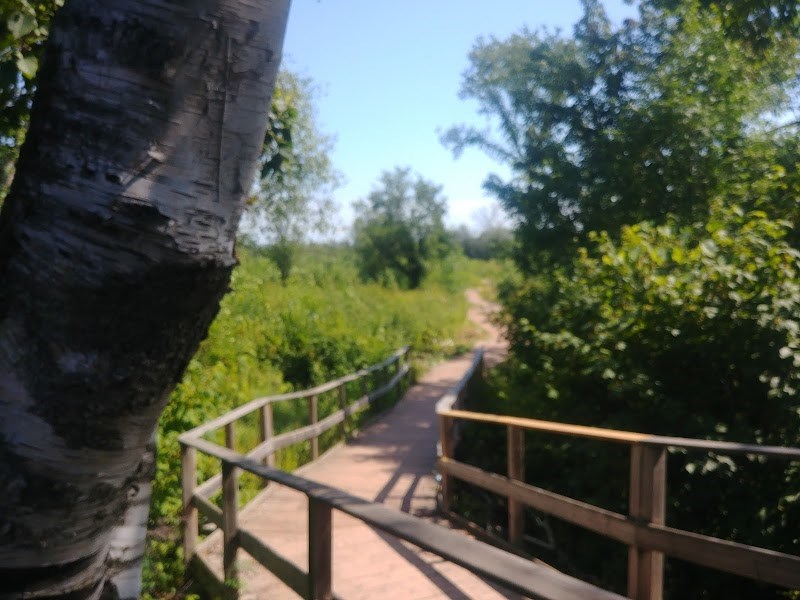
[[390, 462]]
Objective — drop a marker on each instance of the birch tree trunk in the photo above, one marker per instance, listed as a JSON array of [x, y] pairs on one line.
[[116, 246]]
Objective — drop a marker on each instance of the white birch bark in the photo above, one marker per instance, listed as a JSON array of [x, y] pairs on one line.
[[116, 245]]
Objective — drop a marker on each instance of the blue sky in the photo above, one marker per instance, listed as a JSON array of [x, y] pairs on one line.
[[389, 74]]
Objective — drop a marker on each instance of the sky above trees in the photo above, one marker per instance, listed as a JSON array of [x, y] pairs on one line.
[[389, 75]]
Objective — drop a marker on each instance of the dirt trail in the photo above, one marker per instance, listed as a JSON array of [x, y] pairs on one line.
[[481, 312], [392, 462]]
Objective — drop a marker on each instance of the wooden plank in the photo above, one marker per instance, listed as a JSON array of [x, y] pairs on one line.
[[496, 565], [629, 437], [209, 510], [647, 501], [588, 516], [313, 417], [450, 399], [760, 564], [598, 433], [346, 424], [510, 571], [255, 404], [267, 423], [446, 450], [188, 485], [284, 569], [320, 550], [781, 452], [205, 580], [230, 528], [516, 471], [756, 563], [230, 436]]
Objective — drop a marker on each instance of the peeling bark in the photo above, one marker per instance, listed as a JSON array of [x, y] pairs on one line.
[[116, 245]]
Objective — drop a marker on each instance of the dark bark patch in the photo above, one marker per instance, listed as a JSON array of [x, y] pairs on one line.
[[13, 581], [144, 330], [140, 46]]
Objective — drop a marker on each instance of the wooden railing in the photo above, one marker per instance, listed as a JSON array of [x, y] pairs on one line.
[[643, 529], [380, 379], [511, 571]]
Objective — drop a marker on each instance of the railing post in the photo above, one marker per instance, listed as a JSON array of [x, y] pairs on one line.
[[267, 430], [480, 373], [312, 417], [446, 442], [647, 505], [320, 553], [230, 436], [402, 382], [230, 527], [188, 484], [516, 471], [343, 405]]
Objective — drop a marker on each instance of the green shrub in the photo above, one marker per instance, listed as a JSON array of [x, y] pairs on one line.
[[685, 331]]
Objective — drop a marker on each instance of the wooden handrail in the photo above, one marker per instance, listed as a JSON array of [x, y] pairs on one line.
[[510, 571], [196, 497], [628, 437], [643, 529], [775, 567], [267, 448], [245, 409]]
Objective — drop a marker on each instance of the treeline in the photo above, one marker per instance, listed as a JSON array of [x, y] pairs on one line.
[[655, 190]]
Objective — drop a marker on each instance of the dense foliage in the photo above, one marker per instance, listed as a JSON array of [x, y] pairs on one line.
[[23, 31], [619, 125], [676, 330], [400, 231], [270, 338], [654, 183]]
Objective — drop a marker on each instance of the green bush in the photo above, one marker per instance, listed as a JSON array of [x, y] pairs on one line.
[[675, 330]]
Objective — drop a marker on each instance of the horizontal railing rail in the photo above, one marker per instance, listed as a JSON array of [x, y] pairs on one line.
[[643, 529], [257, 403], [511, 571]]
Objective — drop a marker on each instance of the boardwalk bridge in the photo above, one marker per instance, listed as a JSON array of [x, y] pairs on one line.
[[367, 518]]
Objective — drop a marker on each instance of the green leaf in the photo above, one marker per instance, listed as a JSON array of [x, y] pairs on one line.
[[28, 65], [20, 24]]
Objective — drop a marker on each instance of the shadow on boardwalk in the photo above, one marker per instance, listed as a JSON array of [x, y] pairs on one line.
[[390, 462]]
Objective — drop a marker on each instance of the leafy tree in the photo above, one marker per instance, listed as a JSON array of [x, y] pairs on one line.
[[760, 23], [676, 330], [654, 183], [23, 31], [491, 243], [297, 178], [400, 229], [493, 238], [614, 126]]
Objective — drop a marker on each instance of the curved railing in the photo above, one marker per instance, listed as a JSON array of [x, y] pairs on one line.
[[643, 529]]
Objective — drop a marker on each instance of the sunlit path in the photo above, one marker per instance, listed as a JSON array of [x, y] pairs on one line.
[[390, 462]]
